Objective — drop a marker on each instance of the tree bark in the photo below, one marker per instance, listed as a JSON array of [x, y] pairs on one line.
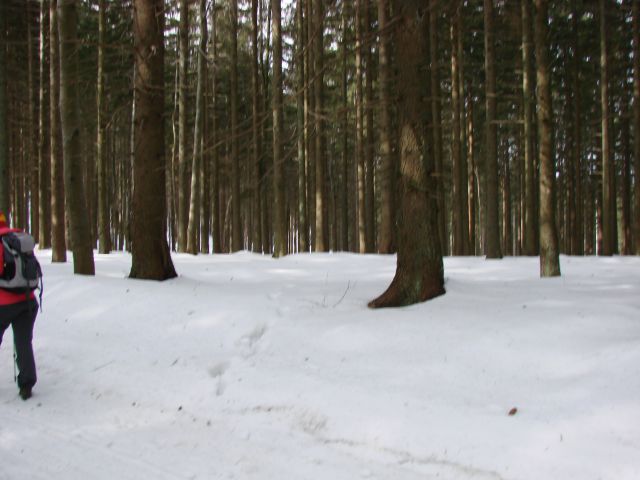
[[549, 252], [456, 147], [151, 259], [58, 236], [387, 179], [279, 226], [577, 245], [193, 229], [370, 220], [75, 198], [609, 210], [183, 169], [236, 226], [436, 112], [104, 233], [322, 224], [257, 147], [636, 122], [492, 231], [360, 161], [5, 202], [419, 272], [215, 184], [44, 170]]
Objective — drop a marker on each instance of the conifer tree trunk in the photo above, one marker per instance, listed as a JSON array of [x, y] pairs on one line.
[[464, 177], [193, 228], [303, 224], [58, 228], [183, 170], [625, 222], [44, 170], [75, 198], [387, 178], [215, 184], [32, 146], [348, 205], [471, 174], [549, 251], [236, 226], [609, 210], [456, 147], [309, 115], [4, 141], [492, 232], [257, 148], [419, 272], [279, 226], [436, 112], [359, 132], [104, 234], [577, 246], [322, 224], [370, 222], [151, 258], [636, 122]]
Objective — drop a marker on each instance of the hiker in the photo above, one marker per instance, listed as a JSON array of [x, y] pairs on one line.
[[18, 310]]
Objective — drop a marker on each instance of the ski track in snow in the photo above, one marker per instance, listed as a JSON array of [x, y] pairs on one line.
[[252, 368]]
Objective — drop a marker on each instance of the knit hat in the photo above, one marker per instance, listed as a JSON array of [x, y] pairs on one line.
[[3, 220]]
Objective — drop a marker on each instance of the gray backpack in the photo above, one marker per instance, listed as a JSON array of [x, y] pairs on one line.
[[22, 272]]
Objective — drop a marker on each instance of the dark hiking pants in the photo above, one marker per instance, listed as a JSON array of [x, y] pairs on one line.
[[21, 316]]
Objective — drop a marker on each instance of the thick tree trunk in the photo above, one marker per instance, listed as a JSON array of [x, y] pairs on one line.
[[609, 211], [549, 252], [492, 231], [151, 258], [75, 198], [58, 228], [193, 229], [104, 233], [279, 226], [44, 170], [419, 272]]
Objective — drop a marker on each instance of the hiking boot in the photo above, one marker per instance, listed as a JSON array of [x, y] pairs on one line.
[[25, 393]]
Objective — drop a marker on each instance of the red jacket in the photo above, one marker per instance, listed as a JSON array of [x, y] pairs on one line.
[[9, 298]]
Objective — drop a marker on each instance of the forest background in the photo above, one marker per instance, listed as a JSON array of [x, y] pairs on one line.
[[281, 126]]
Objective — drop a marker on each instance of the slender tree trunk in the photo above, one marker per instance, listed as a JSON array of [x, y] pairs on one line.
[[257, 150], [303, 224], [236, 226], [215, 184], [5, 201], [31, 178], [492, 235], [309, 114], [577, 247], [419, 272], [370, 221], [58, 229], [636, 122], [436, 112], [387, 183], [104, 234], [361, 182], [279, 226], [456, 148], [464, 177], [183, 169], [549, 251], [609, 211], [471, 174], [75, 198], [193, 228], [44, 170], [151, 258], [626, 186], [348, 206], [322, 224]]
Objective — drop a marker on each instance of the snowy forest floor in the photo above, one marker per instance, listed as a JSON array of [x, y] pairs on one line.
[[246, 367]]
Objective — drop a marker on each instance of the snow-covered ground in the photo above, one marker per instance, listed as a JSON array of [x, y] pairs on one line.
[[247, 367]]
